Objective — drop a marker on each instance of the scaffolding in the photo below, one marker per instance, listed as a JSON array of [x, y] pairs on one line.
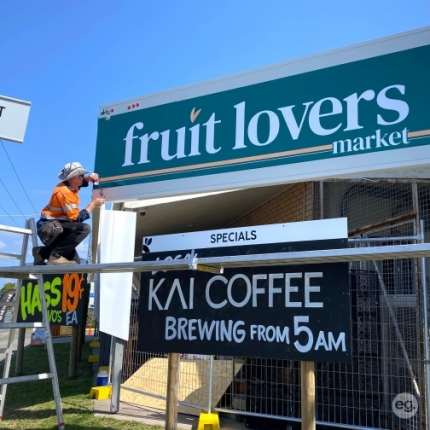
[[360, 254]]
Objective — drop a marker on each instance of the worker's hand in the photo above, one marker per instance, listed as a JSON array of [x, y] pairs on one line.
[[95, 203], [94, 177], [98, 201]]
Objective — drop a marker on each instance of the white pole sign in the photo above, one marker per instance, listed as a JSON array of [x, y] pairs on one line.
[[13, 118], [117, 233]]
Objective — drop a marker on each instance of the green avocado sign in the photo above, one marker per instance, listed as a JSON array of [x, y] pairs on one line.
[[276, 130], [66, 297]]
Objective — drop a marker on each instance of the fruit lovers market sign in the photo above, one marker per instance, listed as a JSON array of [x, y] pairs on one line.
[[363, 109]]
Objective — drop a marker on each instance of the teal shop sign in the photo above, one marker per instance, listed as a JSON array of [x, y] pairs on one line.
[[348, 112]]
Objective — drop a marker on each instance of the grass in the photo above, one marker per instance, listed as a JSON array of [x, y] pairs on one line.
[[30, 405]]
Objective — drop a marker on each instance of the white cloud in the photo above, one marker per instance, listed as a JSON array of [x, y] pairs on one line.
[[2, 244], [13, 247]]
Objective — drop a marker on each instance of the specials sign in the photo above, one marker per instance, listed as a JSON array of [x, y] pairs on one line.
[[323, 116], [291, 312], [66, 297]]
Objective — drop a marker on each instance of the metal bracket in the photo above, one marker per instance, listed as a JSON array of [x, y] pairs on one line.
[[210, 269], [194, 265]]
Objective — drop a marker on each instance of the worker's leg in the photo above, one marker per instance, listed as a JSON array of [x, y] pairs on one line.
[[73, 234], [40, 254]]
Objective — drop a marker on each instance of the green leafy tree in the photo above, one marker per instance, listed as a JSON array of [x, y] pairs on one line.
[[7, 287]]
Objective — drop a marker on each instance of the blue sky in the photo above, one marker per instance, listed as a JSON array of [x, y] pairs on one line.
[[67, 58]]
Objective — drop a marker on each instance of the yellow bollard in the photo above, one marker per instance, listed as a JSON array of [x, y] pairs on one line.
[[101, 393], [208, 421]]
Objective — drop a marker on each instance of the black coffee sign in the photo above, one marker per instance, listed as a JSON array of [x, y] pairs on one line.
[[291, 312]]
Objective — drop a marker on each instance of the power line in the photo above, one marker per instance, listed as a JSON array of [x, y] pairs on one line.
[[13, 215], [12, 198], [9, 216], [22, 186]]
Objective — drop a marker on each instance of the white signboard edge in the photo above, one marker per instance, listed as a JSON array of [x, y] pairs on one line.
[[302, 231]]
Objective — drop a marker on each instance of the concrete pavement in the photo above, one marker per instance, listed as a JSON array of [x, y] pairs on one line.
[[150, 416]]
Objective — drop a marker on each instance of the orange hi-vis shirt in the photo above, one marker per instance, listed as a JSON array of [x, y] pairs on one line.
[[63, 205]]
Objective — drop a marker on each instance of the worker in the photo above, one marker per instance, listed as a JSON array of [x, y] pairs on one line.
[[64, 208]]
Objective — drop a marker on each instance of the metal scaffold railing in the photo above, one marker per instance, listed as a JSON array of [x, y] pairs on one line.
[[359, 254], [375, 253]]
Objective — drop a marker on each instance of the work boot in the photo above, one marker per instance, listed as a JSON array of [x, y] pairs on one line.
[[55, 258], [38, 259], [76, 258]]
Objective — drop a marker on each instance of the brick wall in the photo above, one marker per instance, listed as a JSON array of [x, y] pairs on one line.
[[293, 204]]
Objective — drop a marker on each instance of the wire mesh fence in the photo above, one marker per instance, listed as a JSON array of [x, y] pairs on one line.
[[144, 375], [384, 385], [386, 311]]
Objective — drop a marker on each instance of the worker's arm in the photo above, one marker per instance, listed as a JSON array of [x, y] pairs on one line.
[[95, 203], [84, 214]]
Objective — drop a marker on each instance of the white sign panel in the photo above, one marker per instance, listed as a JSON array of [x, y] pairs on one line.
[[117, 233], [13, 118], [334, 228]]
